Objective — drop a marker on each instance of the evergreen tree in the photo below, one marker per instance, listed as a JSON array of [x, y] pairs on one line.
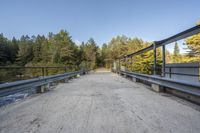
[[37, 49], [25, 53], [3, 54], [176, 49], [104, 51], [91, 53], [176, 55], [15, 48]]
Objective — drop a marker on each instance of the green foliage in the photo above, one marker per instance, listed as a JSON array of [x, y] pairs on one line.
[[38, 48], [121, 46], [103, 54], [90, 53], [8, 50], [54, 50], [193, 43], [25, 52], [176, 55], [60, 50], [3, 47], [176, 49]]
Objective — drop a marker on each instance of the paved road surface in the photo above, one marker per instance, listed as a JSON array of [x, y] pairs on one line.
[[100, 103]]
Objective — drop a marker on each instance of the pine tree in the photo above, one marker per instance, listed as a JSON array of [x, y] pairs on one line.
[[37, 49], [3, 54], [91, 53], [176, 49], [176, 55], [25, 53]]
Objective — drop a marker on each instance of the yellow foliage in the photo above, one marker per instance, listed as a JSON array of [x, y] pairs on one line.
[[193, 43], [198, 23]]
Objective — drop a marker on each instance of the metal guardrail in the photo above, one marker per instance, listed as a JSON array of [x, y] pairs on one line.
[[181, 67], [156, 44], [18, 86], [180, 85], [185, 86], [170, 71]]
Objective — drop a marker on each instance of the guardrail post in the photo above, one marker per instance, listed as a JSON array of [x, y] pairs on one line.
[[134, 79], [43, 88], [154, 57], [157, 88], [66, 80], [170, 71], [164, 61]]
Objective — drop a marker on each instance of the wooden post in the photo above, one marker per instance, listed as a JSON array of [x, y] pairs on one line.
[[46, 70], [164, 61], [43, 71], [125, 64], [119, 64], [131, 64], [154, 62]]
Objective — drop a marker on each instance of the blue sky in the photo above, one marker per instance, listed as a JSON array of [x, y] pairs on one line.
[[101, 19]]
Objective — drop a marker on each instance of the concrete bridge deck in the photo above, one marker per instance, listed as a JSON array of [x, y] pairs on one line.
[[101, 102]]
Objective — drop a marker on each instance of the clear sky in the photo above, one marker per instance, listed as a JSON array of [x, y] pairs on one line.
[[101, 19]]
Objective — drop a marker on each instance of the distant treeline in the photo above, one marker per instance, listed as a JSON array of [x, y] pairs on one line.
[[143, 63], [60, 50], [54, 50]]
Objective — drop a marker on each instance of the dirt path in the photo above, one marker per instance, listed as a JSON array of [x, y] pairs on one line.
[[101, 102]]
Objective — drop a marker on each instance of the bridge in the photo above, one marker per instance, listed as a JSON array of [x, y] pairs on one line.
[[88, 101], [101, 102]]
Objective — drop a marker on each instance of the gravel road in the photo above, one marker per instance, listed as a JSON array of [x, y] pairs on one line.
[[100, 102]]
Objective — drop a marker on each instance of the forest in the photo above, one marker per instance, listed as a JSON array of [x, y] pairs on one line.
[[54, 50], [60, 50]]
